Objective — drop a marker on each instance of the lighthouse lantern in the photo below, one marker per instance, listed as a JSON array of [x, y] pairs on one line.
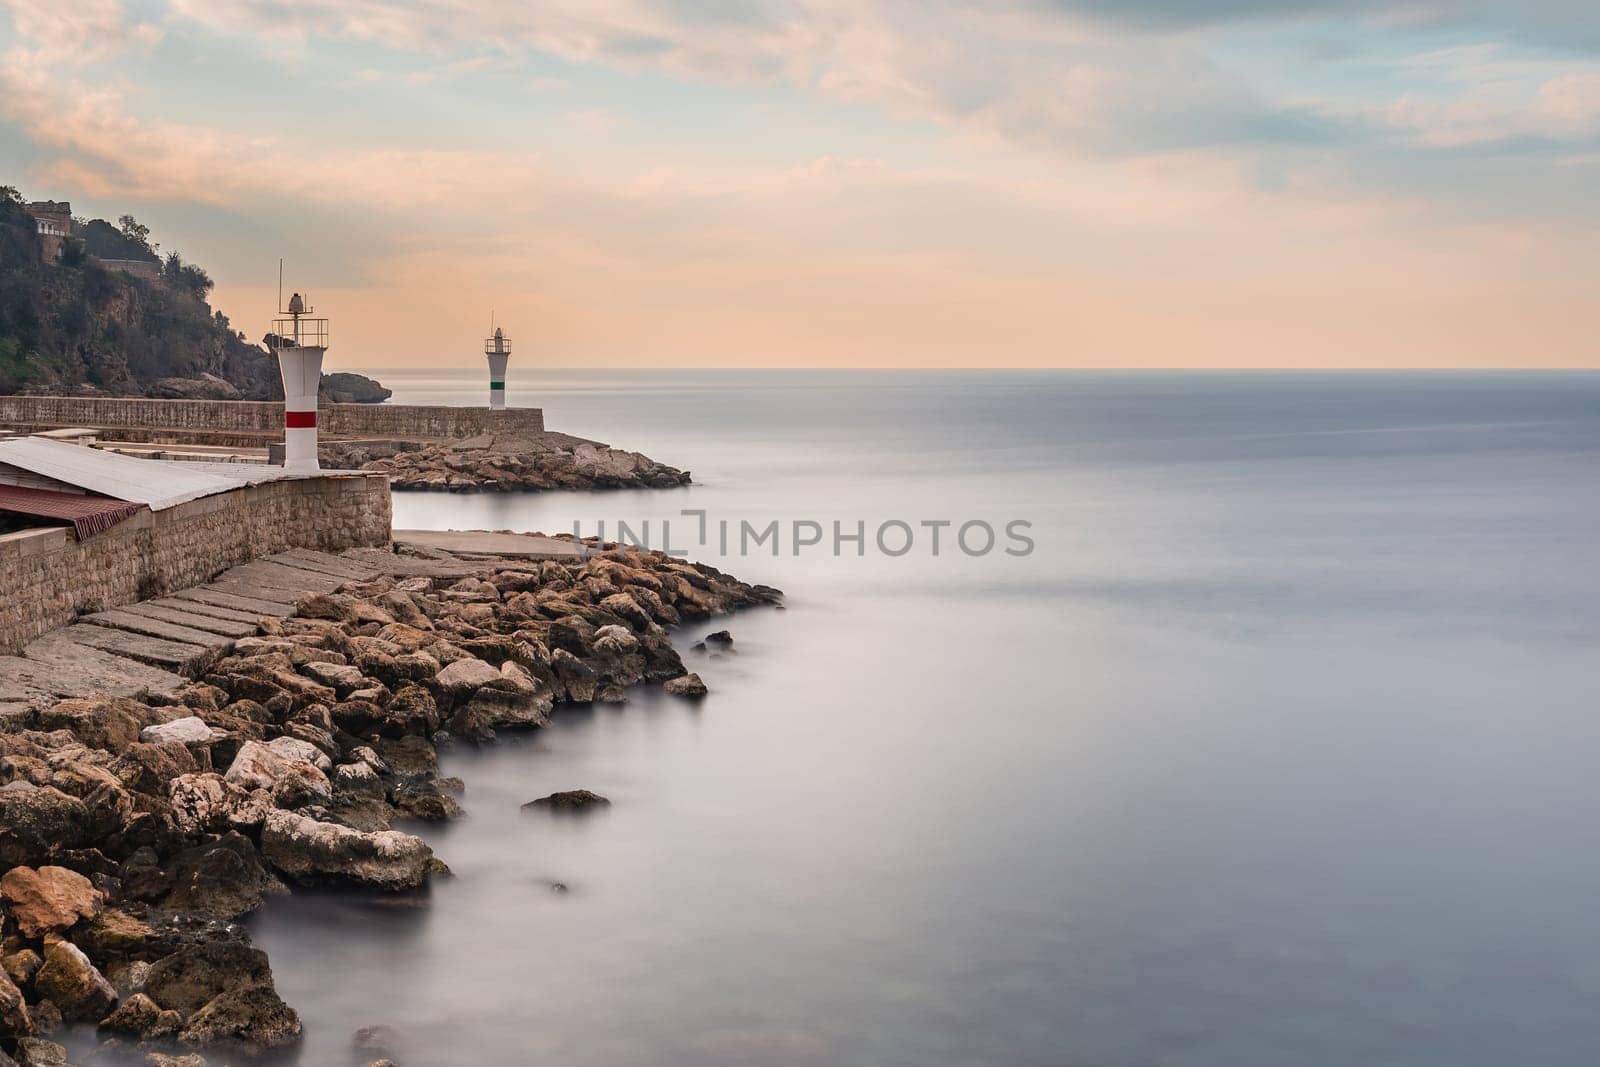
[[498, 350]]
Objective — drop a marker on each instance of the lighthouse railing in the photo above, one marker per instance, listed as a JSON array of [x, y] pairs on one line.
[[298, 333]]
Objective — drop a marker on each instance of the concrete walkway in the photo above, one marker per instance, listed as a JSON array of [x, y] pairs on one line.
[[155, 645], [485, 543]]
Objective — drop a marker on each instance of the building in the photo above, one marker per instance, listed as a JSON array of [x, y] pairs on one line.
[[82, 530], [53, 218]]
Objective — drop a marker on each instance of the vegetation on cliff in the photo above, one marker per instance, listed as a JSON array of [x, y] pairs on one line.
[[74, 325]]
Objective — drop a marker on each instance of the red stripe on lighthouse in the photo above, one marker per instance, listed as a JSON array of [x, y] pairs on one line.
[[300, 420]]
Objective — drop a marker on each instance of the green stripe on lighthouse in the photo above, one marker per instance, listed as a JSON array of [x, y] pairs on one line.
[[497, 385]]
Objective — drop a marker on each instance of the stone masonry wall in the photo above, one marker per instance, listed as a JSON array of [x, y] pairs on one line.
[[48, 577], [252, 417]]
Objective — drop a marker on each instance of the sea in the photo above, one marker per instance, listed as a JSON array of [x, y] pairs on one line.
[[1260, 729]]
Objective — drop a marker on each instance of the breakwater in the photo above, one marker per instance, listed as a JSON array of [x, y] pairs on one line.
[[242, 417]]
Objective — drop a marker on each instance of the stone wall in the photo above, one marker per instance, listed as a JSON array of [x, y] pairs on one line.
[[250, 417], [49, 577]]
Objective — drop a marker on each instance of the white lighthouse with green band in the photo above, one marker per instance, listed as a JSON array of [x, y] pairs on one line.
[[498, 349]]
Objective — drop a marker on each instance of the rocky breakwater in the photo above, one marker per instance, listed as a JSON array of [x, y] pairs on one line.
[[504, 463], [135, 834]]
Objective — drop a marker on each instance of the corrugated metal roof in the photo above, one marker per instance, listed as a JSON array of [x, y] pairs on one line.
[[89, 515], [157, 483]]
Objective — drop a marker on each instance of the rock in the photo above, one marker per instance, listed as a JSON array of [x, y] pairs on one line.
[[224, 993], [344, 679], [74, 984], [358, 779], [344, 387], [209, 803], [203, 386], [623, 605], [15, 1020], [294, 749], [107, 724], [47, 1018], [686, 685], [190, 730], [571, 800], [252, 1020], [721, 637], [49, 899], [271, 767], [116, 935], [141, 1017], [222, 879], [21, 965], [37, 1052], [377, 1040], [186, 980], [614, 640], [464, 677], [309, 851], [161, 1059]]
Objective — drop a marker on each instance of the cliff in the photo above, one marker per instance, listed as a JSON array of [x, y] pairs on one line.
[[71, 324]]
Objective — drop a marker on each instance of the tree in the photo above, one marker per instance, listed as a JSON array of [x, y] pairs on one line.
[[136, 232], [186, 277], [10, 195]]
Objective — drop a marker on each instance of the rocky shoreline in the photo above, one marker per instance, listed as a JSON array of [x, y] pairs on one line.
[[135, 833], [503, 463]]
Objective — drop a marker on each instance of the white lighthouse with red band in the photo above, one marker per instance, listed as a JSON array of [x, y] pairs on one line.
[[300, 342]]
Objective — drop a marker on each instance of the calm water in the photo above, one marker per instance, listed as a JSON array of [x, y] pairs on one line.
[[1278, 750]]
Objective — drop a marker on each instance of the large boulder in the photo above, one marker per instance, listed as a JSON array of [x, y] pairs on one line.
[[309, 851], [345, 387], [37, 1052], [14, 1018], [107, 724], [261, 678], [209, 803], [569, 800], [344, 678], [220, 879], [49, 899], [252, 1020], [224, 994], [74, 984], [686, 685], [457, 682], [140, 1017], [281, 769], [189, 730]]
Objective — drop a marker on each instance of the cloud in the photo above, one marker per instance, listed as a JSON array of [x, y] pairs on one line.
[[1560, 23], [78, 31], [1018, 70]]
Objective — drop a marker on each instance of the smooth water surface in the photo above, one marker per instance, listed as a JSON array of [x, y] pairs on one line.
[[1278, 749]]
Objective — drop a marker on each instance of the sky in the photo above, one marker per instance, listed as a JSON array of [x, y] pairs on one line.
[[873, 183]]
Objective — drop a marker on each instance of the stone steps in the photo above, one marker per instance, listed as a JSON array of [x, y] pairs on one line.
[[155, 645], [155, 651], [201, 608], [212, 596], [135, 622]]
